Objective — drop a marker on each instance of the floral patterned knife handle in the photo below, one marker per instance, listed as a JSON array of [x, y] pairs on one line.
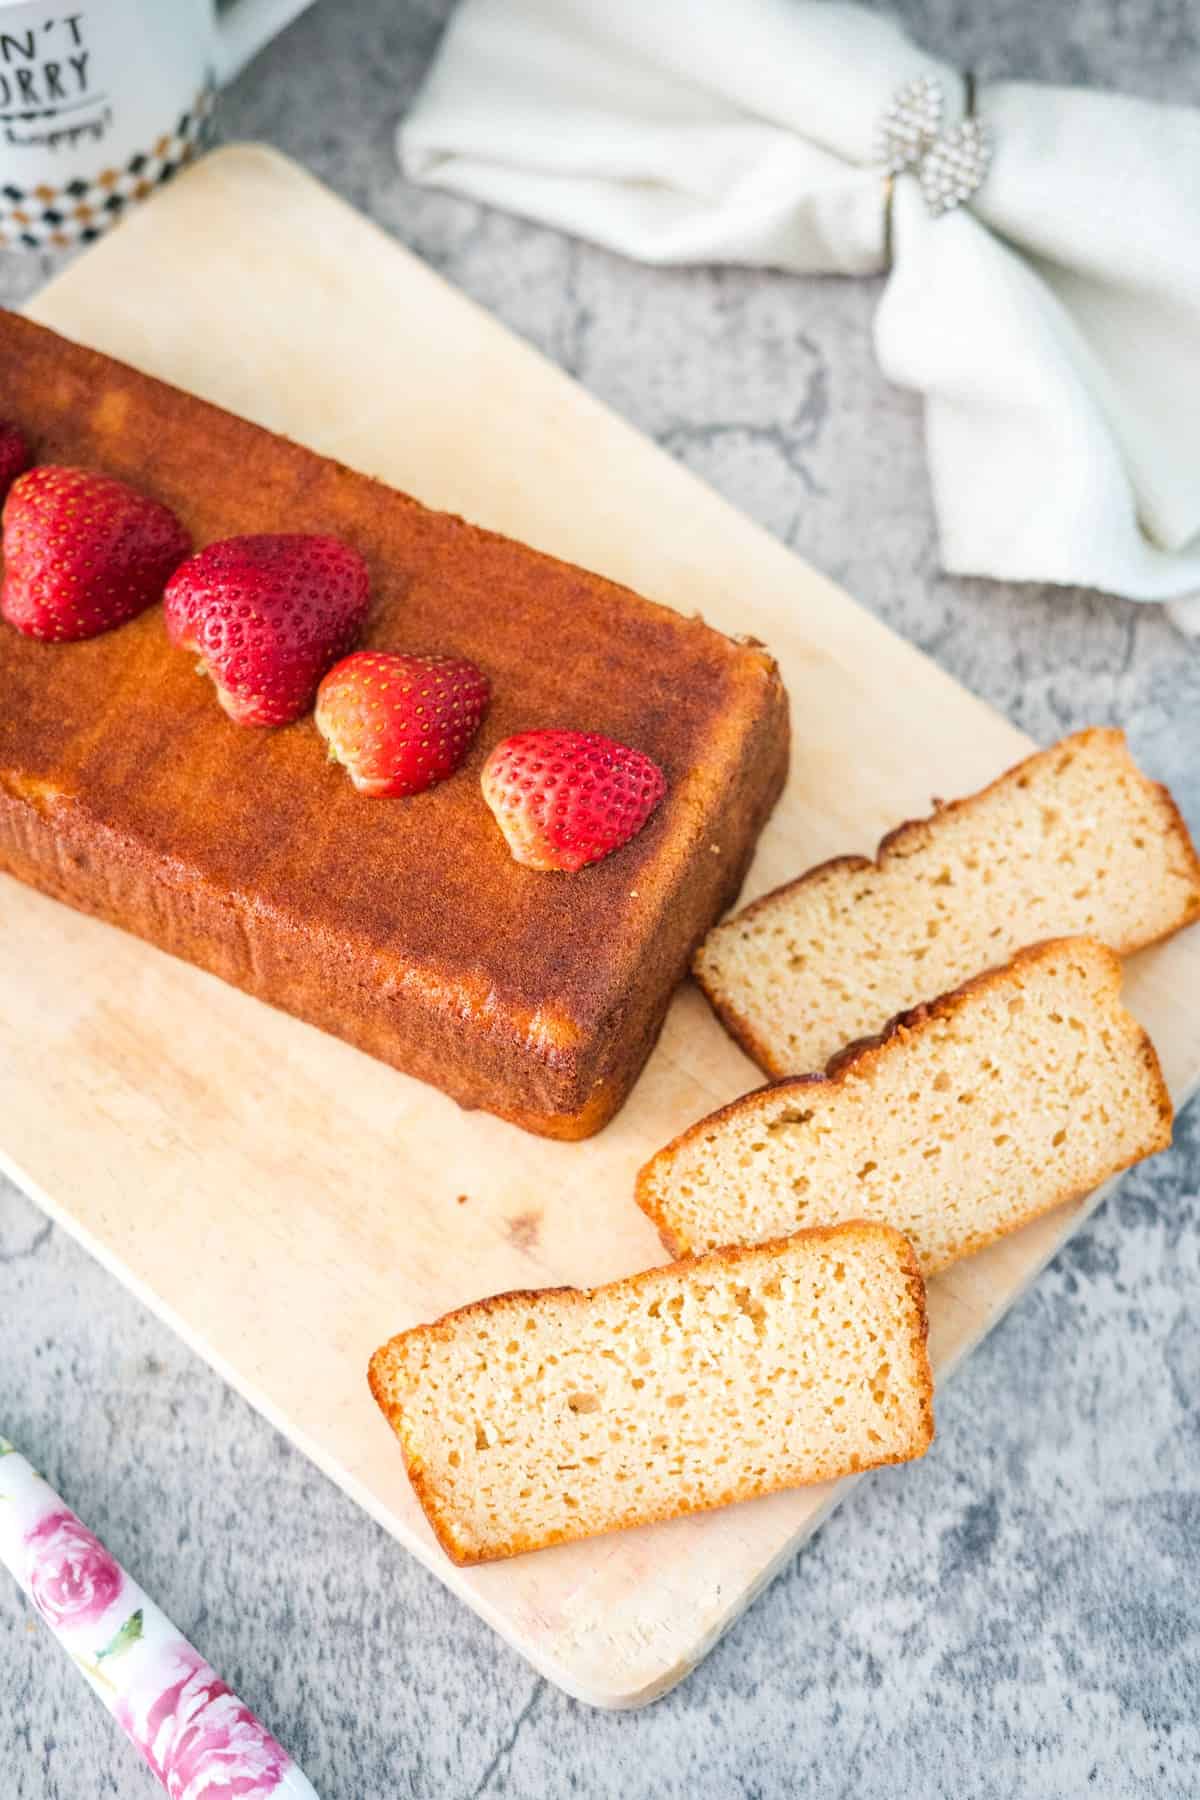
[[197, 1736]]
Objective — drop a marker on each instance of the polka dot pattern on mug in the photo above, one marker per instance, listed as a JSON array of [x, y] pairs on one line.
[[50, 217]]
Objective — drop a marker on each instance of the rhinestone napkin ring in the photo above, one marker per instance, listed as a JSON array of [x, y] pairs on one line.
[[950, 164]]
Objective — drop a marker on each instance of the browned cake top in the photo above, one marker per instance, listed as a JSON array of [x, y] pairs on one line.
[[123, 725]]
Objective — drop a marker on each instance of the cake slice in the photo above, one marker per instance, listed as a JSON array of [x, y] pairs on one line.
[[1074, 839], [404, 926], [965, 1119], [534, 1418]]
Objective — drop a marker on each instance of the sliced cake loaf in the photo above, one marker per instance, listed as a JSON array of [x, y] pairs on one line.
[[964, 1120], [1075, 839], [533, 1418]]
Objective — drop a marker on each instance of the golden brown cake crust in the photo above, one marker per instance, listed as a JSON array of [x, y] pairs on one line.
[[404, 927]]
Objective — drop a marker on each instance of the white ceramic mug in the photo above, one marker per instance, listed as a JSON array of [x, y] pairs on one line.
[[102, 100]]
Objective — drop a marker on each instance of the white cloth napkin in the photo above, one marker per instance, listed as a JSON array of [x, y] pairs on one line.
[[1052, 324]]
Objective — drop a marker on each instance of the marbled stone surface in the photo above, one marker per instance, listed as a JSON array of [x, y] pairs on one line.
[[1016, 1615]]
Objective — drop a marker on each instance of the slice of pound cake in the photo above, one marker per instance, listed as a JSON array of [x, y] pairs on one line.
[[533, 1418], [1075, 839], [963, 1120]]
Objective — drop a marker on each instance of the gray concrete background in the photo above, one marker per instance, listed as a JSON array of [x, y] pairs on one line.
[[1016, 1615]]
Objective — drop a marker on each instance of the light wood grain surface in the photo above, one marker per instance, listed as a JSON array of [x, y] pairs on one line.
[[286, 1203]]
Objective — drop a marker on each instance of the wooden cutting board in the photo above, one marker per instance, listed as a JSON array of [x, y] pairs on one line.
[[286, 1203]]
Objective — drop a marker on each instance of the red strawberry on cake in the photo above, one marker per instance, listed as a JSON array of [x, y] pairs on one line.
[[567, 798], [83, 553], [267, 616], [400, 723], [15, 455]]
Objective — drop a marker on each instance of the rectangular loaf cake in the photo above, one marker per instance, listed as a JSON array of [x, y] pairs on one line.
[[402, 926]]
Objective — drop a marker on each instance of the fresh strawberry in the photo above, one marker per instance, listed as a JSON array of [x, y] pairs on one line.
[[15, 455], [267, 616], [566, 798], [400, 723], [83, 553]]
